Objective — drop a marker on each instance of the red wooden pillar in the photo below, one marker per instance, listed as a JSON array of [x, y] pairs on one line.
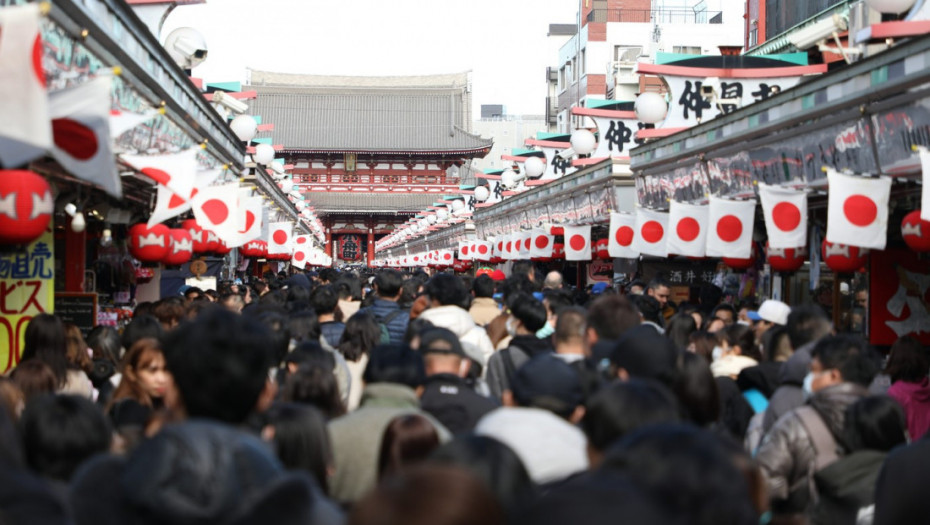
[[329, 242], [75, 259], [371, 246]]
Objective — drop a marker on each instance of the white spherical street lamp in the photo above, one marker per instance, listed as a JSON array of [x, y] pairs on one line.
[[583, 141], [482, 193], [245, 127], [650, 107], [264, 154], [534, 167]]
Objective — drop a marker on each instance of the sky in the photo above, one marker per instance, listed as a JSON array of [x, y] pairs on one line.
[[502, 42]]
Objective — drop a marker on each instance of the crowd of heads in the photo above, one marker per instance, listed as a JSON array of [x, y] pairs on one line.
[[389, 398]]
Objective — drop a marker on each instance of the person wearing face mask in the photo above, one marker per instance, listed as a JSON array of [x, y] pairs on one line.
[[528, 315], [735, 352], [809, 438]]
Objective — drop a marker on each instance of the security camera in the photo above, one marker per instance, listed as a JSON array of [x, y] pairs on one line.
[[566, 154], [229, 103], [811, 35], [187, 47]]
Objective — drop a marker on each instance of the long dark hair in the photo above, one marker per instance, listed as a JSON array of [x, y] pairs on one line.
[[360, 336], [301, 440], [907, 361], [407, 440], [45, 341]]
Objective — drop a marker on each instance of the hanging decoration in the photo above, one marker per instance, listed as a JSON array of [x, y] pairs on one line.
[[181, 247], [26, 206], [149, 244], [786, 259], [843, 258], [916, 232]]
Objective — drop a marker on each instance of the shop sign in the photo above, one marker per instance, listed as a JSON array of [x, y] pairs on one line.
[[349, 248], [27, 288], [899, 288]]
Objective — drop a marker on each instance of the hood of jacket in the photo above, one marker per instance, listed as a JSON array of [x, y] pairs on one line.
[[763, 377], [831, 403], [917, 391], [451, 317], [531, 345]]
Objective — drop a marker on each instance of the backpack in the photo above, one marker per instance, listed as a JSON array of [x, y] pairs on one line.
[[383, 325]]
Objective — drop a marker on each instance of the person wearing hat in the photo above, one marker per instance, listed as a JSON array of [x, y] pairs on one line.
[[528, 315], [538, 421], [769, 314], [445, 394]]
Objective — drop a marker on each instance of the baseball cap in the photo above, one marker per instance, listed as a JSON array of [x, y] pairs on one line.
[[441, 341], [498, 275], [547, 382], [598, 288], [772, 311]]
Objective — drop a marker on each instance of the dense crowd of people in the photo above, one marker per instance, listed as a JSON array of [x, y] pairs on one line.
[[393, 398]]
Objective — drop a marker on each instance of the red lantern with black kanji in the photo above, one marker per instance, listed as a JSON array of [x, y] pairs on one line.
[[600, 249], [786, 259], [181, 247], [842, 258], [26, 206], [558, 251], [916, 232], [198, 235], [149, 244]]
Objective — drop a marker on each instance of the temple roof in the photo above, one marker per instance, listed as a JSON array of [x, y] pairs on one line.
[[428, 114], [381, 202]]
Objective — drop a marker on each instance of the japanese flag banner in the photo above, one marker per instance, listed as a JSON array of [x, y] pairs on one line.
[[464, 251], [541, 245], [81, 133], [510, 253], [279, 237], [525, 240], [785, 212], [446, 257], [687, 233], [577, 243], [25, 128], [730, 228], [216, 209], [122, 121], [168, 204], [857, 210], [622, 230], [651, 232], [250, 217], [925, 188], [177, 171], [302, 249], [483, 250]]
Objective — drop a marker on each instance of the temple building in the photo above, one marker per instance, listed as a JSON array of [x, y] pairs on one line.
[[370, 152]]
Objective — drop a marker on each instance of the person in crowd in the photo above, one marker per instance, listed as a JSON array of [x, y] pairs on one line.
[[679, 329], [79, 364], [300, 440], [446, 294], [393, 374], [359, 338], [312, 382], [694, 311], [446, 393], [59, 433], [846, 488], [496, 465], [571, 344], [707, 401], [144, 383], [539, 417], [483, 308], [609, 317], [806, 326], [386, 310], [527, 316], [738, 351], [703, 343], [643, 353], [349, 289], [33, 378], [770, 315], [650, 310], [304, 327], [553, 281], [46, 341], [170, 311], [205, 469], [142, 326], [408, 440], [636, 287], [660, 290], [324, 302], [232, 302], [429, 495], [809, 438], [555, 301], [190, 293], [621, 408], [497, 328], [901, 489], [104, 343], [908, 365]]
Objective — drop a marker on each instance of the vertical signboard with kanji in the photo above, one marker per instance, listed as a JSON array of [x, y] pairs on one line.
[[27, 288]]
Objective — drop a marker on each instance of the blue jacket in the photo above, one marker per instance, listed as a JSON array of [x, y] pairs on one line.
[[332, 332], [397, 326]]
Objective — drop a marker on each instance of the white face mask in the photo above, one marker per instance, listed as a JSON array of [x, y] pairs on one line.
[[808, 385], [717, 353], [511, 327]]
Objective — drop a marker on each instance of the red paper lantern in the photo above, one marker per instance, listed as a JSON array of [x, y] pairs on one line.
[[496, 259], [26, 206], [254, 249], [484, 271], [556, 230], [842, 258], [181, 247], [149, 244], [741, 264], [198, 235], [916, 232], [558, 251], [214, 244], [221, 247], [600, 248], [786, 259], [461, 265]]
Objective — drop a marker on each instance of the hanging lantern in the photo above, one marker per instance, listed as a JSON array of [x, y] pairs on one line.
[[842, 258], [26, 206], [461, 265], [214, 244], [198, 235], [496, 259], [534, 167], [786, 259], [916, 232], [221, 247], [741, 264], [600, 249], [558, 251], [149, 244], [254, 249], [181, 247], [484, 271]]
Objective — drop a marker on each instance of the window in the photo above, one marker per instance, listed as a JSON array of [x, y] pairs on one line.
[[753, 37], [627, 54], [583, 62], [687, 50], [574, 67], [562, 77]]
